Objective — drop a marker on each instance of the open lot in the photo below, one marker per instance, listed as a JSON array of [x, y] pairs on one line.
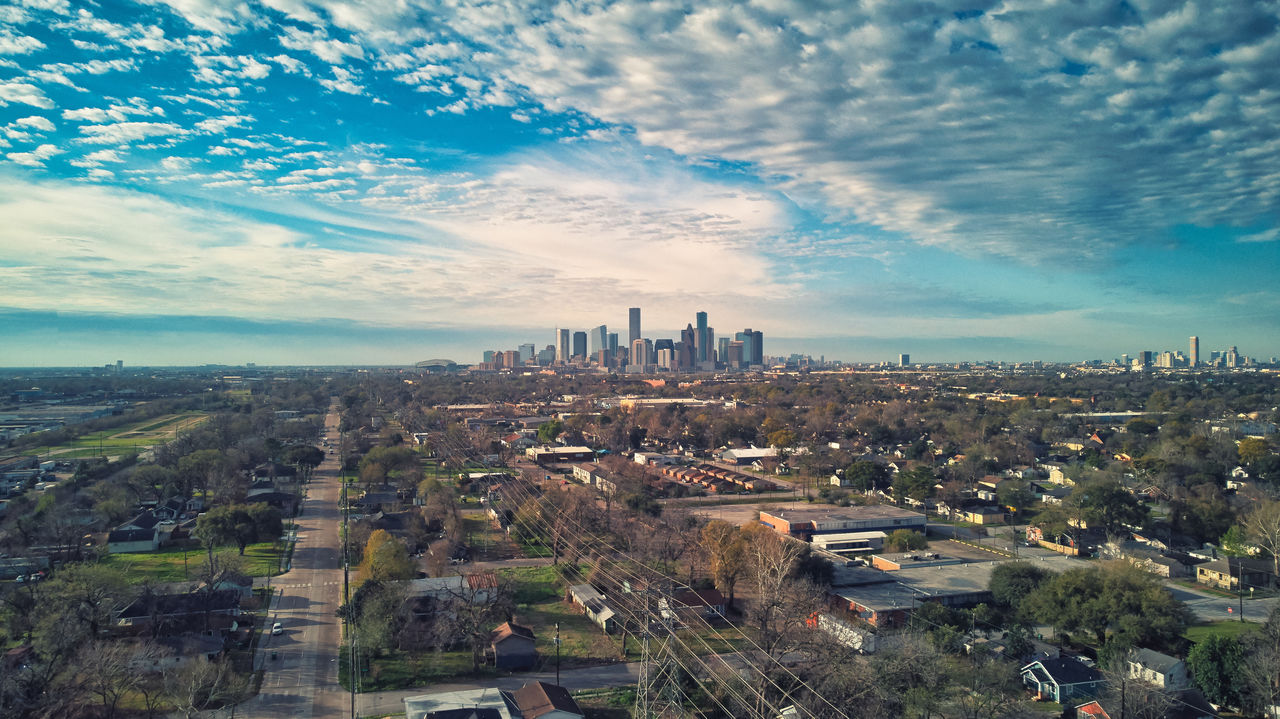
[[129, 438], [176, 565]]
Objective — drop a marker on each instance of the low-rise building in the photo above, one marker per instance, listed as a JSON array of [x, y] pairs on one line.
[[1158, 669], [512, 647], [1062, 679], [556, 455], [540, 700], [807, 523], [1229, 572]]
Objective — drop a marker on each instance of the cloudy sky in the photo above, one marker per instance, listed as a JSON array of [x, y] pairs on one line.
[[298, 181]]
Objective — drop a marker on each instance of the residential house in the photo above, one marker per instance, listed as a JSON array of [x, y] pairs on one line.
[[1091, 710], [1056, 473], [140, 534], [594, 606], [174, 613], [709, 603], [539, 700], [512, 647], [1227, 573], [1157, 669], [1063, 679], [179, 650]]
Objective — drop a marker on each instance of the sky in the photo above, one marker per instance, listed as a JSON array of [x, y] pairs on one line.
[[331, 182]]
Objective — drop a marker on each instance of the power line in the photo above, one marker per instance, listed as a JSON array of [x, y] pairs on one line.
[[625, 575]]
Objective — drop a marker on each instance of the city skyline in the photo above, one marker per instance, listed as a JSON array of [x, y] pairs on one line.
[[323, 182]]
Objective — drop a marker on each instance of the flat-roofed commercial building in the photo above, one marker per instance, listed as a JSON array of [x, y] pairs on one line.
[[806, 523]]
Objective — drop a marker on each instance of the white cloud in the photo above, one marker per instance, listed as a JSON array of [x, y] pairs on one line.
[[970, 133], [24, 93], [1265, 236], [11, 44], [219, 125], [36, 122], [318, 43], [342, 81], [291, 65], [125, 132], [176, 164], [95, 159], [36, 157]]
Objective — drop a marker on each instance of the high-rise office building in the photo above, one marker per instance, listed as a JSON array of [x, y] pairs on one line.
[[640, 353], [613, 345], [597, 339], [580, 344], [562, 345], [904, 360], [1195, 352], [633, 325], [1233, 358], [722, 350], [752, 346], [733, 353], [526, 352], [663, 344], [700, 340]]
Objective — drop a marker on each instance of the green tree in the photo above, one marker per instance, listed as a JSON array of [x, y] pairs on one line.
[[1215, 664], [864, 476], [385, 559], [306, 458], [918, 484], [1119, 604], [781, 439], [548, 431], [1107, 504], [238, 524], [1253, 450], [1012, 582], [905, 540]]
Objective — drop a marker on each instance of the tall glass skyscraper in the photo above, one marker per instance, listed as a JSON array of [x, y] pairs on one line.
[[701, 339], [633, 325]]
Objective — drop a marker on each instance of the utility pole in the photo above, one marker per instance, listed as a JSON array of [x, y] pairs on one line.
[[557, 653]]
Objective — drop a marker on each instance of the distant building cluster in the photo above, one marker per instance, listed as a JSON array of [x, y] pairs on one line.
[[1229, 358], [697, 349]]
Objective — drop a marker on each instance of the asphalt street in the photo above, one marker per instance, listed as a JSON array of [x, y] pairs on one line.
[[302, 681]]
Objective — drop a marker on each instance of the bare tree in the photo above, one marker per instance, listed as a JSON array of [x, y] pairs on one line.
[[472, 610], [1263, 526], [200, 685], [770, 560], [109, 670]]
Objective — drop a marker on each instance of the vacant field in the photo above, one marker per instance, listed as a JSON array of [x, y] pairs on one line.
[[1231, 628], [129, 438], [175, 565]]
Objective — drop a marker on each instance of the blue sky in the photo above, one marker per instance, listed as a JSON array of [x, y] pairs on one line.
[[286, 181]]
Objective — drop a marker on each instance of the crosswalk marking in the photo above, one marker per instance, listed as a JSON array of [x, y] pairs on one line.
[[314, 584]]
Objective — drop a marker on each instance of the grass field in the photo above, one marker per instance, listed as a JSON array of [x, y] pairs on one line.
[[401, 670], [168, 565], [128, 438], [1200, 632]]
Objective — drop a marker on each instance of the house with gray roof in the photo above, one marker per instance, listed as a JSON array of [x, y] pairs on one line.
[[1063, 679]]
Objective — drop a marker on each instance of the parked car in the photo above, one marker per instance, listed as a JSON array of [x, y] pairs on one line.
[[277, 629]]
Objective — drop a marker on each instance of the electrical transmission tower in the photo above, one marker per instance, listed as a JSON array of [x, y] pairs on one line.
[[658, 692]]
